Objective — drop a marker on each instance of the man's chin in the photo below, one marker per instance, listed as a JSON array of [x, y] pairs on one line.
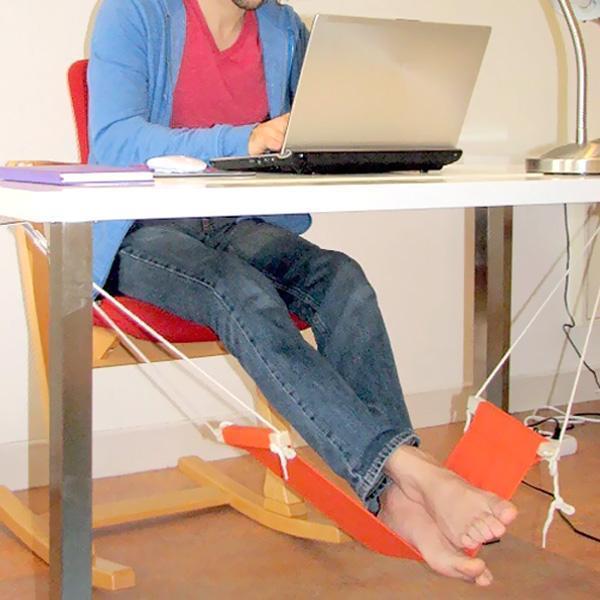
[[248, 4]]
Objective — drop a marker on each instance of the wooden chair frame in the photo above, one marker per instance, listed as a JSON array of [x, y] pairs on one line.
[[278, 507]]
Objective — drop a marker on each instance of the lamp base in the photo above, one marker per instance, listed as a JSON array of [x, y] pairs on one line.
[[572, 159]]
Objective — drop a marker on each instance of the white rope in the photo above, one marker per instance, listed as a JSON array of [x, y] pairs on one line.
[[134, 348], [37, 238], [533, 319], [178, 354], [483, 388], [40, 241], [558, 503], [280, 451]]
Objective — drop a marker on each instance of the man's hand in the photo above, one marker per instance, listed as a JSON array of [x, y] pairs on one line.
[[268, 136]]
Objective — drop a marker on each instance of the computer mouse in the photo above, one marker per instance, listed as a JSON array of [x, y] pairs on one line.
[[176, 164]]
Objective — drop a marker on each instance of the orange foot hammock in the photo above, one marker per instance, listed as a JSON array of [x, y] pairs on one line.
[[494, 454]]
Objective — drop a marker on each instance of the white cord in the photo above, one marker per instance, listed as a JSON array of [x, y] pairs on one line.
[[134, 348], [37, 238], [507, 354], [178, 354], [533, 319], [40, 241], [283, 461], [558, 503]]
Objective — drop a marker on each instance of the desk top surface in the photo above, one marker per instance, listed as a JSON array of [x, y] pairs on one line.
[[454, 187]]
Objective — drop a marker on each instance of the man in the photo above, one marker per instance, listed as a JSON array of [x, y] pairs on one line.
[[207, 78]]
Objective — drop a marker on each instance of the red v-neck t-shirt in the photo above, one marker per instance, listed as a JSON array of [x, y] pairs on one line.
[[219, 87]]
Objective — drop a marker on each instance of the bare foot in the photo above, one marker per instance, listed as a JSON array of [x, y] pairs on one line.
[[413, 523], [466, 515]]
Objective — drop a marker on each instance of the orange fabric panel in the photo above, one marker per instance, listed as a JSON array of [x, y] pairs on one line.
[[247, 437], [343, 509], [494, 454]]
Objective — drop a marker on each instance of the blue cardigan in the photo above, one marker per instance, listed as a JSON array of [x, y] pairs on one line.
[[136, 52]]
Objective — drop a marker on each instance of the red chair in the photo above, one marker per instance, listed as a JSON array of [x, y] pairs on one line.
[[77, 77]]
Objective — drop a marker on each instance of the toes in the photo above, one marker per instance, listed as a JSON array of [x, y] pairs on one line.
[[468, 542], [479, 531], [483, 529], [469, 568], [496, 528], [484, 579], [504, 511]]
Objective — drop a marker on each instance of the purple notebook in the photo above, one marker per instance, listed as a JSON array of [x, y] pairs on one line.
[[76, 174]]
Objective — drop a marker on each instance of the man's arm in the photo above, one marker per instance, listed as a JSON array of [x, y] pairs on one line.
[[119, 80]]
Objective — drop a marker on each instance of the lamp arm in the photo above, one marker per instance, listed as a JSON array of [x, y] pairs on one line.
[[580, 56], [583, 157]]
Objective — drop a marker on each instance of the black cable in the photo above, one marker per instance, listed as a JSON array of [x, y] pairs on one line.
[[557, 428], [589, 536], [542, 421], [567, 327]]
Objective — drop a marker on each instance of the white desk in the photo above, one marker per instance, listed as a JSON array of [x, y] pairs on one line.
[[69, 212], [268, 194]]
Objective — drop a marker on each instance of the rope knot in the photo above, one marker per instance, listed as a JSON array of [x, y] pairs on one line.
[[281, 445], [564, 507]]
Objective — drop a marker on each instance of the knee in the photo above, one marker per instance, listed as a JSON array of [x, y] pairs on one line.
[[243, 288], [347, 278]]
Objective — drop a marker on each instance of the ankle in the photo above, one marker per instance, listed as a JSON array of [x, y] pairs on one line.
[[405, 460]]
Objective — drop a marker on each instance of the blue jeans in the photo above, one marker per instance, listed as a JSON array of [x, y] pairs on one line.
[[241, 279]]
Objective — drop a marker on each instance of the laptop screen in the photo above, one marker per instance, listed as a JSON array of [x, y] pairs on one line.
[[380, 84]]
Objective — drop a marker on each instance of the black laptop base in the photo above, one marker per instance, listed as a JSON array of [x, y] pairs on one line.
[[342, 163]]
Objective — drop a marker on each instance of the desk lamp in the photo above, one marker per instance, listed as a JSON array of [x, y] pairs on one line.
[[582, 157]]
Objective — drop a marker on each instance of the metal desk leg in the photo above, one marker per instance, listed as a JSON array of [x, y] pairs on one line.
[[493, 290], [70, 411]]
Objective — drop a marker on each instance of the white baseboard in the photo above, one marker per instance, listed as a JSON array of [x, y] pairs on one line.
[[118, 452], [527, 393], [132, 450]]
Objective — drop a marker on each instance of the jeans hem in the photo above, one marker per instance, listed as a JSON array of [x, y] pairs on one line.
[[375, 481]]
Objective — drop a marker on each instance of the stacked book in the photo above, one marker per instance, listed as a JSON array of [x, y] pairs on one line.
[[75, 174]]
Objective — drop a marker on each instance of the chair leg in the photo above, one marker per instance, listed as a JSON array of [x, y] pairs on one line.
[[278, 497], [32, 529]]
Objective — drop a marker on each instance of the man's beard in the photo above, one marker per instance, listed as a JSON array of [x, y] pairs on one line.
[[248, 4]]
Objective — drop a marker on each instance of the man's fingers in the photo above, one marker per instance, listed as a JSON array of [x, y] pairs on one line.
[[281, 123], [268, 136], [274, 141]]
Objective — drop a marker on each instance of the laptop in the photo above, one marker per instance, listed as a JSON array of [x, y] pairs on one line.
[[377, 95]]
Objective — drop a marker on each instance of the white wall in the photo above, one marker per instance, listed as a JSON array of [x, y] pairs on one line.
[[521, 105]]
